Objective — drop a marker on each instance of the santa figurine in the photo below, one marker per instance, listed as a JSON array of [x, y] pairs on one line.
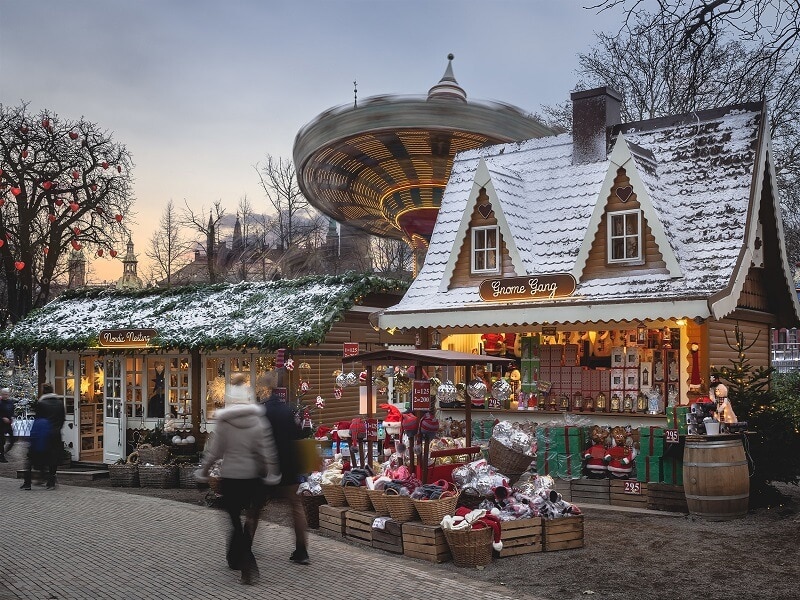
[[493, 343], [725, 412], [620, 455], [596, 466]]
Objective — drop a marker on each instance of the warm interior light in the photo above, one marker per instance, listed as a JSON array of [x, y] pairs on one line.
[[592, 336], [680, 322]]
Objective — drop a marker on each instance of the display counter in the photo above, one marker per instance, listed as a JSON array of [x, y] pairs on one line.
[[611, 419]]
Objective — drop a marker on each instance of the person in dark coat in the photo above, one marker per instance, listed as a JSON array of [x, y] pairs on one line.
[[287, 431], [46, 446], [6, 419]]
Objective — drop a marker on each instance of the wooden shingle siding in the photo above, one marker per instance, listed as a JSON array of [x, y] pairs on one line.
[[754, 295], [596, 264], [721, 354]]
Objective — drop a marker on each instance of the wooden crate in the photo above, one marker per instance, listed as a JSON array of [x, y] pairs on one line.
[[629, 493], [590, 491], [332, 520], [523, 536], [564, 487], [358, 526], [562, 534], [390, 538], [665, 496], [425, 541]]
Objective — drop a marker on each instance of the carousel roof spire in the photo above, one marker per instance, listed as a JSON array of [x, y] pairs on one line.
[[448, 88]]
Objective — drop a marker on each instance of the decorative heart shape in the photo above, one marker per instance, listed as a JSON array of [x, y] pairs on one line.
[[73, 206], [623, 193], [118, 218], [99, 252], [52, 217], [75, 174], [76, 230], [2, 243], [73, 135], [46, 250], [16, 191], [19, 265], [59, 202], [24, 154], [75, 244], [113, 253], [47, 185], [93, 187], [485, 209], [105, 165]]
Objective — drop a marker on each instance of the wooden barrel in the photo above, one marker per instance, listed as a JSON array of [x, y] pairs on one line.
[[716, 479]]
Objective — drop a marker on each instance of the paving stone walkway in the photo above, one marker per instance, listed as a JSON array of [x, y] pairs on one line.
[[77, 543]]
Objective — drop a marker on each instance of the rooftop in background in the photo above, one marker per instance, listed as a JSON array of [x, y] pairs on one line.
[[382, 164]]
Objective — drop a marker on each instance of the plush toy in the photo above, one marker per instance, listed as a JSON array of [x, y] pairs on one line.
[[393, 421], [725, 412], [596, 465], [620, 455]]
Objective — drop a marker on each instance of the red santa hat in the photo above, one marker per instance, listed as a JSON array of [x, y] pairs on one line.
[[480, 519]]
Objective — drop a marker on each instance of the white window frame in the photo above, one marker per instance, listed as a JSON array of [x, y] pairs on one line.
[[625, 214], [486, 250]]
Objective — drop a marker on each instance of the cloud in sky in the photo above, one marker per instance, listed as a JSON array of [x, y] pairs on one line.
[[200, 91]]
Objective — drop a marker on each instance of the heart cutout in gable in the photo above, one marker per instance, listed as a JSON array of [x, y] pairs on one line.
[[623, 193], [485, 209]]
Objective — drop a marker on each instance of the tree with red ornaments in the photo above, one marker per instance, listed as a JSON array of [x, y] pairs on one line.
[[64, 185]]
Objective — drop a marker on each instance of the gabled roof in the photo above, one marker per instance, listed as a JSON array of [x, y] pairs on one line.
[[698, 178], [265, 315]]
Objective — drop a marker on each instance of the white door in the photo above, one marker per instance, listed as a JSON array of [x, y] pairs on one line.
[[63, 372], [114, 415]]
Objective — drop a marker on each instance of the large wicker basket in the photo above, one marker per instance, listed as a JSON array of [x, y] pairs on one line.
[[431, 512], [158, 476], [357, 498], [401, 508], [510, 463], [470, 547], [378, 501], [311, 506], [126, 475], [150, 455], [186, 476], [334, 494]]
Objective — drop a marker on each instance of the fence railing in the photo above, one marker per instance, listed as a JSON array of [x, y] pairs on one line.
[[786, 356]]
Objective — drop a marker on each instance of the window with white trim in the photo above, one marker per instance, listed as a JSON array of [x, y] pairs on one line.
[[625, 236], [485, 249]]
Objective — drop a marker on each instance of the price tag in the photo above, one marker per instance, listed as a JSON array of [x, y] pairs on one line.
[[421, 395], [494, 403], [671, 436], [633, 487], [349, 349], [372, 430]]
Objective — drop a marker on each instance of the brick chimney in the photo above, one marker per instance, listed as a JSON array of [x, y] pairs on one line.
[[594, 112]]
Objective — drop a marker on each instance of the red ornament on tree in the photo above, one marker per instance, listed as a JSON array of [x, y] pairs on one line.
[[73, 206], [46, 123], [24, 154], [51, 217], [105, 165], [93, 187], [73, 135], [2, 243], [16, 191], [99, 210], [2, 201], [46, 250], [113, 253], [59, 202], [19, 265], [99, 252], [77, 230], [119, 169], [75, 174], [118, 218], [47, 185], [75, 244]]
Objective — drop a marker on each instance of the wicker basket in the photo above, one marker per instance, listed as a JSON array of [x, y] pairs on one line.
[[334, 494], [401, 508], [311, 506], [186, 476], [470, 498], [126, 475], [158, 476], [470, 547], [378, 502], [431, 512], [509, 462], [357, 498], [149, 455]]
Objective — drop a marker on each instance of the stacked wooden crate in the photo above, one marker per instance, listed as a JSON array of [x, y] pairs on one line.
[[563, 534], [390, 538], [426, 542], [332, 520], [522, 536]]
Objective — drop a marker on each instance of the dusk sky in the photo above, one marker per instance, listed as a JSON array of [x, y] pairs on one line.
[[200, 91]]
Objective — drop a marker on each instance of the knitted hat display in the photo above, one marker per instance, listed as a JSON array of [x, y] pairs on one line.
[[410, 424], [429, 425]]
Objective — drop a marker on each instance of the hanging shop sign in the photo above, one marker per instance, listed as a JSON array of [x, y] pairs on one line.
[[125, 338], [532, 287], [421, 395]]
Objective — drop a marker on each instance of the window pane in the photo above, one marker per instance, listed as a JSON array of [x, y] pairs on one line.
[[491, 238], [633, 247], [480, 240], [617, 249], [632, 224], [480, 261], [617, 225], [491, 259]]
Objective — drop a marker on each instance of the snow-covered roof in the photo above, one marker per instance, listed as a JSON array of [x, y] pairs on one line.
[[695, 176], [266, 315]]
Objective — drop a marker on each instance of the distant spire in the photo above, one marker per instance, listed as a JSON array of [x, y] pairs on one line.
[[355, 94], [237, 234], [448, 88]]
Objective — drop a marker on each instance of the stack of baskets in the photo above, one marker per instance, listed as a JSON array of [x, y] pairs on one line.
[[378, 501], [334, 494], [357, 498], [124, 475], [470, 547], [431, 512], [158, 476], [311, 506], [510, 463], [153, 455], [186, 476]]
